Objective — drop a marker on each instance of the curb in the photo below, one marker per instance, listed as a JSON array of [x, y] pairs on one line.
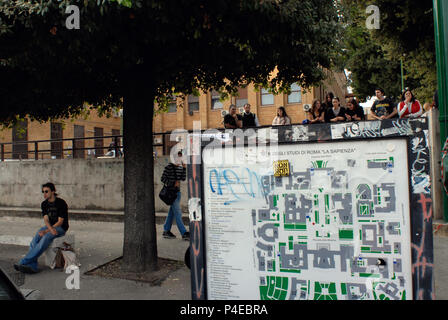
[[90, 215], [440, 227], [15, 240]]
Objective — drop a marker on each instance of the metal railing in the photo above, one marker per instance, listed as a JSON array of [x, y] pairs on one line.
[[70, 148], [163, 138]]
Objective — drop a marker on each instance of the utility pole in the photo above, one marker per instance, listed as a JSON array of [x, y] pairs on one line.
[[441, 42], [402, 75]]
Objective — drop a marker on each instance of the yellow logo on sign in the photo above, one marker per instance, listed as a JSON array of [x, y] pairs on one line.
[[281, 168]]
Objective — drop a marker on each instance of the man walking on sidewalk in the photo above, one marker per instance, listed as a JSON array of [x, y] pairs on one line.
[[55, 213], [173, 173]]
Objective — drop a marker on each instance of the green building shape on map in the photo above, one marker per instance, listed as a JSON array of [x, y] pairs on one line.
[[276, 289]]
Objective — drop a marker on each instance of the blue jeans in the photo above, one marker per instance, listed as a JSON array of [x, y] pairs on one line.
[[175, 213], [38, 246]]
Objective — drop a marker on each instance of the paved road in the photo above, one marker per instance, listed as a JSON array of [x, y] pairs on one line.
[[100, 242]]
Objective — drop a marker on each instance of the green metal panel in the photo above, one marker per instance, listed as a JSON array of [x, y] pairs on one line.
[[441, 40]]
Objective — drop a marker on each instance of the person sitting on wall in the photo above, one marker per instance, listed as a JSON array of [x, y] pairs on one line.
[[335, 114], [383, 107], [317, 112], [328, 103], [282, 118], [427, 109], [232, 120], [354, 112], [409, 107], [55, 214]]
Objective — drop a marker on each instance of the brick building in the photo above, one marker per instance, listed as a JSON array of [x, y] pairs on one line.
[[181, 115]]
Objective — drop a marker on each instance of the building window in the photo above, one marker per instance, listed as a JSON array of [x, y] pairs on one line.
[[296, 94], [79, 152], [267, 98], [57, 146], [116, 132], [172, 105], [193, 103], [99, 143], [216, 104], [242, 99]]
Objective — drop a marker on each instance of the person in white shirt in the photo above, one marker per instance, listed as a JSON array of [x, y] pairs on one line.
[[282, 118], [409, 107]]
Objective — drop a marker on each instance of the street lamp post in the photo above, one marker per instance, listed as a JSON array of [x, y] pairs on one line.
[[402, 75]]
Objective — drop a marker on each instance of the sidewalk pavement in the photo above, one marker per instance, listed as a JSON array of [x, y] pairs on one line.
[[100, 242], [95, 243]]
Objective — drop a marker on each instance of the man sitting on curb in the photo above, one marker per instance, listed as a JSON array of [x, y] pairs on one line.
[[55, 213]]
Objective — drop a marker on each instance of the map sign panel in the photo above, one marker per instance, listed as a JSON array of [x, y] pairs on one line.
[[336, 228]]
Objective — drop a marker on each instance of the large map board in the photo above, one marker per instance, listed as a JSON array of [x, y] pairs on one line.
[[337, 228]]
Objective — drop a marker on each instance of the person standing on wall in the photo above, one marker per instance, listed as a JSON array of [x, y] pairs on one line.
[[383, 108], [55, 214], [250, 119], [173, 174]]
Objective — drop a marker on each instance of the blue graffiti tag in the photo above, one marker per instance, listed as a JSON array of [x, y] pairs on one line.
[[248, 183]]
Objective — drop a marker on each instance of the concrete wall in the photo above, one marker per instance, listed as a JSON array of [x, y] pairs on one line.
[[91, 184], [435, 148]]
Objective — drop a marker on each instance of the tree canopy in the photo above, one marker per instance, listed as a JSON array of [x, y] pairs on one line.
[[406, 33], [174, 46], [135, 52], [365, 58]]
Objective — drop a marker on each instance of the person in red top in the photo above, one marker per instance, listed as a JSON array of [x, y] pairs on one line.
[[409, 107]]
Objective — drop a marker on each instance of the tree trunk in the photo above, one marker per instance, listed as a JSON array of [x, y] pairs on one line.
[[140, 241]]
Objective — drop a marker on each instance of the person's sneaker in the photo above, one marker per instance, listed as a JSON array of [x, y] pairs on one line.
[[168, 235], [26, 269], [16, 266], [186, 236]]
